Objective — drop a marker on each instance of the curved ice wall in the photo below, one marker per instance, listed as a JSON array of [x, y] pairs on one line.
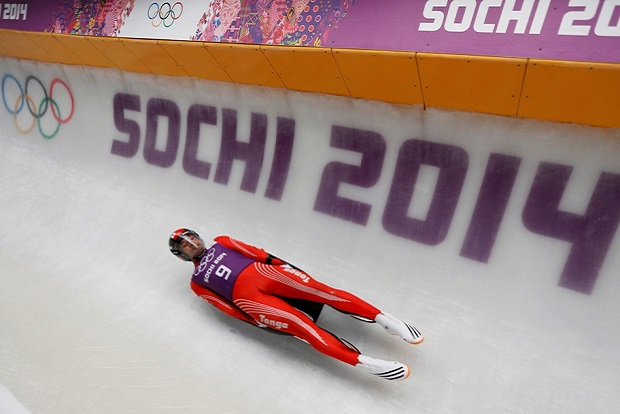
[[496, 236]]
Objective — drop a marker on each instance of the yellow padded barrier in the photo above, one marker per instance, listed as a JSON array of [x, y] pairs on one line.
[[383, 76], [84, 50], [17, 44], [306, 69], [153, 56], [472, 83], [245, 64], [194, 59], [114, 49], [585, 93], [57, 52]]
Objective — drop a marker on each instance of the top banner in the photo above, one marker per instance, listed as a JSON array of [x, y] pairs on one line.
[[579, 30]]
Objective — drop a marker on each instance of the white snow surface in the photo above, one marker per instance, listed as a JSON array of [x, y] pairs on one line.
[[96, 316]]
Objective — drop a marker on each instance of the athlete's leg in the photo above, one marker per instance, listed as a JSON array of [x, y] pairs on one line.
[[275, 313], [291, 283]]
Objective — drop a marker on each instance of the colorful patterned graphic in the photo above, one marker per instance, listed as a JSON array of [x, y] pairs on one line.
[[19, 100], [96, 18], [551, 29], [286, 22], [165, 14]]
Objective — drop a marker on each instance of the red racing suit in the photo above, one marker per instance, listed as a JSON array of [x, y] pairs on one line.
[[248, 283]]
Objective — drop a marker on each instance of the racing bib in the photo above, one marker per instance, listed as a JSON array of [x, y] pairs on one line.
[[219, 268]]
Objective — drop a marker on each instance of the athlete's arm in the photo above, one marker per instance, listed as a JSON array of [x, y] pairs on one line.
[[221, 303], [248, 250]]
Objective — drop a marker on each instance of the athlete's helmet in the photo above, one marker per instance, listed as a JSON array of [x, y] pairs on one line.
[[175, 242]]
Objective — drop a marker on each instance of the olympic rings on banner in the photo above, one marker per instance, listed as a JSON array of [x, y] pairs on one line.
[[36, 111], [165, 13]]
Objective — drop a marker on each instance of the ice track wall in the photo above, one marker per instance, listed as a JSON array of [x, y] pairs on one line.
[[497, 237], [554, 90]]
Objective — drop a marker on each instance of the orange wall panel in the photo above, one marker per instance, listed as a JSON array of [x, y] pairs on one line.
[[116, 51], [587, 93], [18, 45], [579, 92], [307, 69], [58, 52], [472, 83], [89, 54], [379, 75], [153, 56], [194, 59], [245, 64]]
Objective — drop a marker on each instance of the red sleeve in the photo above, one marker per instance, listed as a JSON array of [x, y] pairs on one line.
[[248, 251], [221, 303]]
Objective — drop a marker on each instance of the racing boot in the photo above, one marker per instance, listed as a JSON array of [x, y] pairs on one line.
[[389, 370], [395, 326]]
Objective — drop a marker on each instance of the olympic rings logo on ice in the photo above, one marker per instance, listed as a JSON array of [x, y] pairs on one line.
[[16, 103], [165, 13]]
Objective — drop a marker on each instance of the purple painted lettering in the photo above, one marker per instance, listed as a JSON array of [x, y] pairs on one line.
[[283, 151], [452, 163], [590, 234], [251, 152], [122, 102], [372, 146], [156, 108], [495, 191], [196, 116]]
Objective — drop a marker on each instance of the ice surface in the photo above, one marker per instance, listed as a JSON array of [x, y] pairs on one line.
[[97, 317]]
